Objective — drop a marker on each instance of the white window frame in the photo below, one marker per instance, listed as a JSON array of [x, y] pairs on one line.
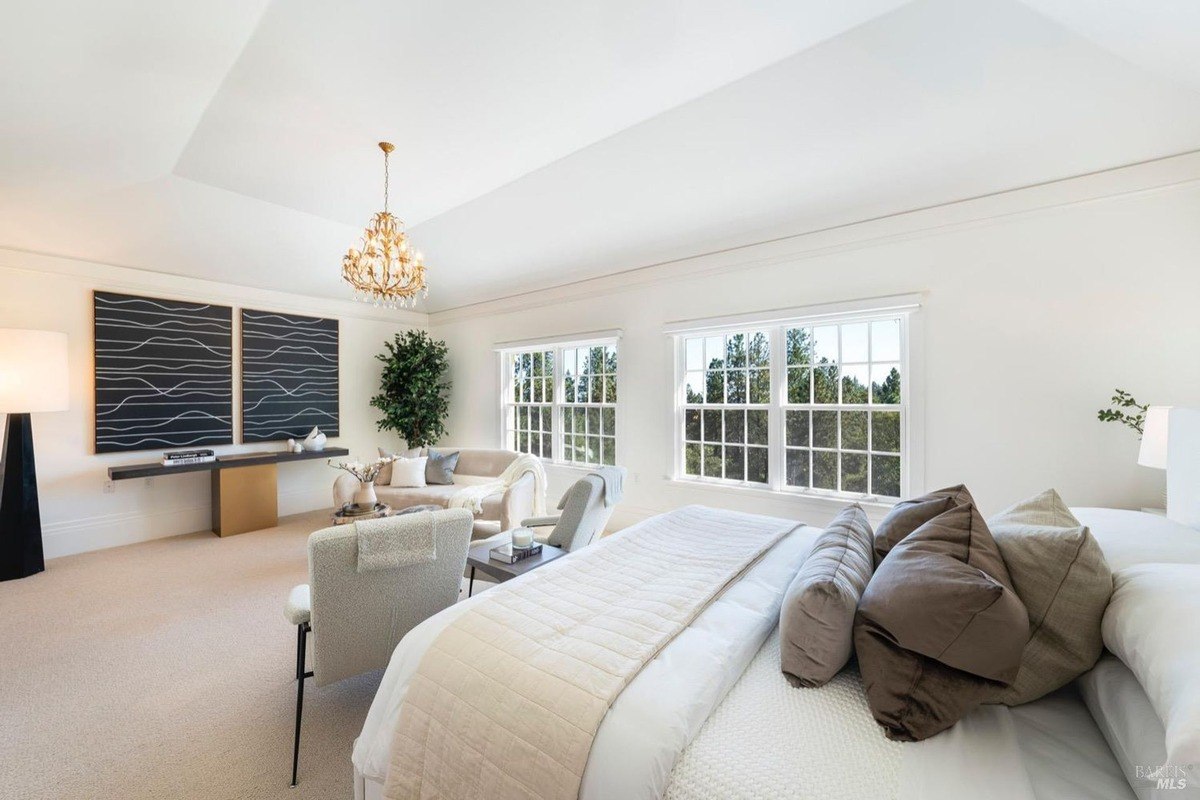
[[905, 308], [558, 402]]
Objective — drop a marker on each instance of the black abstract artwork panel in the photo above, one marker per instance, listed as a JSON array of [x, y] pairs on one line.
[[164, 373], [289, 376]]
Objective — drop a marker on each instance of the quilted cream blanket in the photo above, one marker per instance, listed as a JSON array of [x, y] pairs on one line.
[[508, 698]]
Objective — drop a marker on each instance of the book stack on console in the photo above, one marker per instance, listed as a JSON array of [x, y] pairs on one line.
[[179, 458]]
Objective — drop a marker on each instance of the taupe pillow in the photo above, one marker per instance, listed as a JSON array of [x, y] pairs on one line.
[[439, 469], [1059, 572], [385, 472], [908, 515], [943, 594], [816, 621]]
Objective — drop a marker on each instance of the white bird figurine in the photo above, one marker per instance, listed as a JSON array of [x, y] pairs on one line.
[[315, 441]]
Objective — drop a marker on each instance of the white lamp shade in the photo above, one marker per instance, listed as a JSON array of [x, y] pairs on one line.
[[33, 371], [1154, 438]]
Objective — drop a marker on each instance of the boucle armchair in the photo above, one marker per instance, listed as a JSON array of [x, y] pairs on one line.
[[585, 513], [356, 614]]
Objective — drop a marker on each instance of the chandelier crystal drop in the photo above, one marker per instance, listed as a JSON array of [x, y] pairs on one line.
[[386, 270]]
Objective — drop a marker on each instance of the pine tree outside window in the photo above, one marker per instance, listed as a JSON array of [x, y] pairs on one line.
[[813, 406]]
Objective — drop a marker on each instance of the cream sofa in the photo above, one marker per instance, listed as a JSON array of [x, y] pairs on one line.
[[501, 510]]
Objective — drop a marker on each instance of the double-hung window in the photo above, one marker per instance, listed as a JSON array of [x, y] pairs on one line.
[[814, 403], [559, 400]]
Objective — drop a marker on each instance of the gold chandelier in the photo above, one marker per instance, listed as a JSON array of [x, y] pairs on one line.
[[387, 271]]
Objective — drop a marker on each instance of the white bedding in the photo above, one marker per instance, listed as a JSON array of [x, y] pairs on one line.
[[661, 709], [770, 741], [654, 740]]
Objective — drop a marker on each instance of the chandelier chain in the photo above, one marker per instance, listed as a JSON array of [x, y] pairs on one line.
[[386, 178]]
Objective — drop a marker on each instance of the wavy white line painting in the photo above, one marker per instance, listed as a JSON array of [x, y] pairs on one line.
[[164, 373], [289, 376]]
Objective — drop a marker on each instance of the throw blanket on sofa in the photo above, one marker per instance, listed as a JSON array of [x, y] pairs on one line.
[[508, 698], [472, 495]]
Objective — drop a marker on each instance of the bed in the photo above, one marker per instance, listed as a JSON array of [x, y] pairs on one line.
[[709, 715]]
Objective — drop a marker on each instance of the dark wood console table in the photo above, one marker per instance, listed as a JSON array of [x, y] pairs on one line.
[[245, 490]]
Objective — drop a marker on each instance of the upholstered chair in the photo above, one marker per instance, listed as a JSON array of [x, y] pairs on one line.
[[584, 511], [356, 611]]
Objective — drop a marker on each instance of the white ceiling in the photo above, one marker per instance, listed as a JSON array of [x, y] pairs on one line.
[[545, 142]]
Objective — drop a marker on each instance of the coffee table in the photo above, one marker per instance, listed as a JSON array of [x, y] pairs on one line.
[[340, 517], [479, 558]]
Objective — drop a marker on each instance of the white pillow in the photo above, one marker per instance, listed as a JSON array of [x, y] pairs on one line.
[[1130, 724], [1153, 624], [1135, 537], [408, 472]]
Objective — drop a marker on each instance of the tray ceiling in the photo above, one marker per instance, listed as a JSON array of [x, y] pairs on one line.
[[541, 143]]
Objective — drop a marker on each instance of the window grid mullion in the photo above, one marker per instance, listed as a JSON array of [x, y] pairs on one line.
[[777, 447]]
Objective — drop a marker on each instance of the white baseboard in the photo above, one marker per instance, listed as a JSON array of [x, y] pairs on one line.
[[69, 537]]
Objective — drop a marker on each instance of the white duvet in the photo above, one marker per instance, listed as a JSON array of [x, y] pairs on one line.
[[662, 708], [655, 737]]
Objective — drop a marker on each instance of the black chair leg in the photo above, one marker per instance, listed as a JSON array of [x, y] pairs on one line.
[[301, 642]]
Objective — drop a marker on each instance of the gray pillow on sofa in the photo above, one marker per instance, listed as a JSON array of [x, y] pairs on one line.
[[816, 621], [1059, 572], [439, 469]]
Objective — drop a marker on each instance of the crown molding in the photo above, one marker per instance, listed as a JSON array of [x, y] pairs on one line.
[[1152, 176], [113, 277]]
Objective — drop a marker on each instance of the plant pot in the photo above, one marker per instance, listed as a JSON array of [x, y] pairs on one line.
[[365, 496]]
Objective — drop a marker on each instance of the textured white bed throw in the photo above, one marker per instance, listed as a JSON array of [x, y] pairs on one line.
[[507, 699]]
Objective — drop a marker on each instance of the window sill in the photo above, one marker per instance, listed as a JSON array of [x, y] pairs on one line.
[[582, 469], [873, 507]]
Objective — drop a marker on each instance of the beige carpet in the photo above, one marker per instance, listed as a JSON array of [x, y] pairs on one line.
[[166, 670]]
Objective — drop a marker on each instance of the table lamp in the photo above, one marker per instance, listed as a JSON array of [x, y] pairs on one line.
[[33, 378], [1153, 452]]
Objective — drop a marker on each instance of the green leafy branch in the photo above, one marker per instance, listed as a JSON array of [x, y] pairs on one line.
[[1121, 401]]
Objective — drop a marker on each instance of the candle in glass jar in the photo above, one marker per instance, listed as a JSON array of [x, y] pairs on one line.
[[522, 537]]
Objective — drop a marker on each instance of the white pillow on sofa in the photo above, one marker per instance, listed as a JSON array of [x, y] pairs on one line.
[[1153, 624], [408, 473]]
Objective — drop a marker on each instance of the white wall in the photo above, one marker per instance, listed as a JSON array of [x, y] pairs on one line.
[[56, 294], [1037, 304]]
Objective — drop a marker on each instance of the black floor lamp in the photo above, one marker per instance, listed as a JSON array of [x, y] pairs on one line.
[[33, 378]]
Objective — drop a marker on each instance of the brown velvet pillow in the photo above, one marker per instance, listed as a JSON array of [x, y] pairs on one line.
[[939, 627], [908, 515], [816, 621]]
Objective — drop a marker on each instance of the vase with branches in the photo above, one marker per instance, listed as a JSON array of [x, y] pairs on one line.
[[366, 473]]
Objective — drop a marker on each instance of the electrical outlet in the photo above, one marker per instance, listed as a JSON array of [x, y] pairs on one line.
[[637, 477], [110, 486], [149, 483]]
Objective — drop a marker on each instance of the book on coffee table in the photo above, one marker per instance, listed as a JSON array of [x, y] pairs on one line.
[[507, 554]]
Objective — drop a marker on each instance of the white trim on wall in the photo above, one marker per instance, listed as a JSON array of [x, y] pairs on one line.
[[876, 306], [109, 277], [570, 340], [1155, 175]]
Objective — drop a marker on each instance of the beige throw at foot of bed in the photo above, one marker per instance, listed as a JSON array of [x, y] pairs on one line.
[[507, 700]]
